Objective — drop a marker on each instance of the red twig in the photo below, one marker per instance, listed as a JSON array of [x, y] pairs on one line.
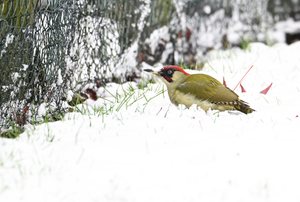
[[242, 88], [243, 77], [266, 90], [224, 82]]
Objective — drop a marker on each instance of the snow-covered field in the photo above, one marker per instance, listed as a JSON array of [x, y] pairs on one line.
[[135, 146]]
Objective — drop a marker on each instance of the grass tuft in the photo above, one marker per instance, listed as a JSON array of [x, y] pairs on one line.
[[11, 133], [245, 44], [129, 96]]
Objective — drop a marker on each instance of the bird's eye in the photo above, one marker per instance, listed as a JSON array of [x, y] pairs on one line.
[[170, 72]]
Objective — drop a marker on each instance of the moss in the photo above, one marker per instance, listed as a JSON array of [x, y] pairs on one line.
[[14, 132], [18, 13], [245, 44]]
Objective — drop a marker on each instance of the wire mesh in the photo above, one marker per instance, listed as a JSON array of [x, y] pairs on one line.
[[51, 47]]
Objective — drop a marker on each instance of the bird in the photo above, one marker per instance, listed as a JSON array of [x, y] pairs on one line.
[[200, 89]]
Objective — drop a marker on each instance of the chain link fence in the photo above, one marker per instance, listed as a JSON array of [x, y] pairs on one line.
[[51, 47]]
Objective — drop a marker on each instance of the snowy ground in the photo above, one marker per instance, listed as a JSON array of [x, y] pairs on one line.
[[139, 147]]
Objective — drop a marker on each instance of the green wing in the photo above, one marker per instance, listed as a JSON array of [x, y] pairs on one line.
[[205, 87]]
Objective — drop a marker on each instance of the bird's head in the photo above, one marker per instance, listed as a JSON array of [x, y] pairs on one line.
[[170, 73]]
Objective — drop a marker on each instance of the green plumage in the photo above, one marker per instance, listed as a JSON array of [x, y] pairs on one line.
[[205, 87], [200, 89]]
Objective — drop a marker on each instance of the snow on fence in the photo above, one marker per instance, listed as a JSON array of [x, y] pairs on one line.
[[50, 49]]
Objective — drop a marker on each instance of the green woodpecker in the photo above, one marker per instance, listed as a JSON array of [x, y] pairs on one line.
[[200, 89]]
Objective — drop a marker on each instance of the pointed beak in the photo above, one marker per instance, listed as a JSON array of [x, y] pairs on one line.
[[148, 70], [151, 71]]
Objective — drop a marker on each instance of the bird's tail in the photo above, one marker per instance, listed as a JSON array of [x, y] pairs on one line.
[[243, 106]]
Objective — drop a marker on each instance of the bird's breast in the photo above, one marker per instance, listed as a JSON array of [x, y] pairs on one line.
[[188, 100]]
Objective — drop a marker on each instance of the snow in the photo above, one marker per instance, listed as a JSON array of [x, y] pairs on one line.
[[127, 63], [161, 34], [9, 39], [289, 26], [134, 145], [101, 39], [207, 9], [145, 11]]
